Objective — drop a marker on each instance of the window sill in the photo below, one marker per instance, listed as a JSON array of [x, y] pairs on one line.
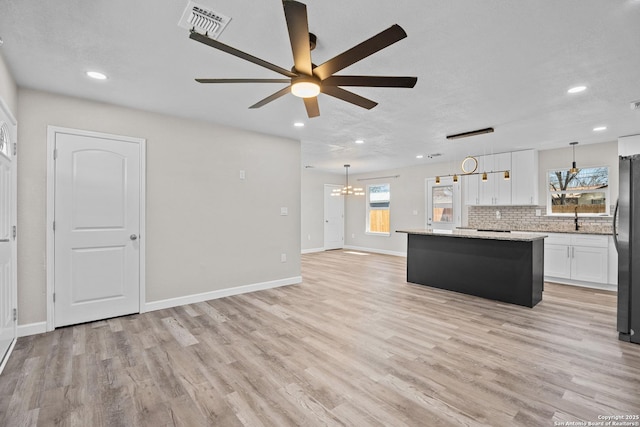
[[373, 233]]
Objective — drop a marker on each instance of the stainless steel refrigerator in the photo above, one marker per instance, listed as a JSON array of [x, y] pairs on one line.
[[626, 235]]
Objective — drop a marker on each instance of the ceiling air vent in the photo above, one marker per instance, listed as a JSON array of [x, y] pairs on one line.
[[635, 105], [203, 20]]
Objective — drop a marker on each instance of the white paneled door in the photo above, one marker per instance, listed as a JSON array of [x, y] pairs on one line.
[[97, 217], [333, 218], [8, 285]]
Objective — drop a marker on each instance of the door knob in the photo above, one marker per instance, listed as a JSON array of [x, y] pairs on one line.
[[133, 237]]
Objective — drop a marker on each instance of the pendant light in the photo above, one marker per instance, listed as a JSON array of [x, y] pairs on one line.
[[348, 190], [574, 169]]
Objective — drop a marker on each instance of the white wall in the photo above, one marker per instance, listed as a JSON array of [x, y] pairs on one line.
[[407, 196], [206, 229], [312, 202], [8, 88]]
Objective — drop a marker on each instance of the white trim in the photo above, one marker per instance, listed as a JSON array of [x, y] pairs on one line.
[[51, 138], [312, 250], [221, 293], [376, 251], [32, 329], [6, 356], [582, 284]]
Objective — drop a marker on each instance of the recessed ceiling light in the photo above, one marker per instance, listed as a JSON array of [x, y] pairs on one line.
[[599, 128], [359, 141], [299, 124], [419, 156], [577, 89], [96, 75]]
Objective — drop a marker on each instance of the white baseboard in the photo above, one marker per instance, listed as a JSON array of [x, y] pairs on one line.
[[221, 293], [32, 329], [375, 251], [9, 350], [581, 284], [312, 250]]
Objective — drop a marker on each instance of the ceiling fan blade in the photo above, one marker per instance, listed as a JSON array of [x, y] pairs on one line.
[[351, 97], [361, 51], [296, 15], [235, 52], [273, 97], [311, 104], [370, 81], [243, 80]]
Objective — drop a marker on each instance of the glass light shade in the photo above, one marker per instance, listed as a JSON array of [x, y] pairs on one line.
[[305, 89], [484, 177], [437, 180], [507, 176], [455, 178]]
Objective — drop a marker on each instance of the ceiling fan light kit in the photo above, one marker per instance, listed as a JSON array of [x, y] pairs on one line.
[[306, 80]]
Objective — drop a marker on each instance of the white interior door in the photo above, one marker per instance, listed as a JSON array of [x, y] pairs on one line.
[[96, 227], [8, 189], [443, 204], [333, 218]]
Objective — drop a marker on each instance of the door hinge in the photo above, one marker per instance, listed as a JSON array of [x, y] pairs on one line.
[[15, 148], [15, 232], [54, 297], [15, 314], [55, 153], [54, 226]]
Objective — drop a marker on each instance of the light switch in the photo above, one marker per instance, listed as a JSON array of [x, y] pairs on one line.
[[415, 212], [242, 174], [284, 211]]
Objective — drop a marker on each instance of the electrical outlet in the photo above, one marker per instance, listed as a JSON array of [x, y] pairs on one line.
[[283, 257], [284, 211], [242, 175], [498, 215], [538, 212]]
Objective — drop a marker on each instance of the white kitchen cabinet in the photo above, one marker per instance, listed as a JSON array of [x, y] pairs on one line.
[[470, 185], [577, 258], [524, 177], [496, 190]]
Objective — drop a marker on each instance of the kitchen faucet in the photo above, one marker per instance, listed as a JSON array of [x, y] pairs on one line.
[[576, 219]]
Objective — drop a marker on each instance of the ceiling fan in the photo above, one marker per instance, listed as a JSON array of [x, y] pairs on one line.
[[306, 80]]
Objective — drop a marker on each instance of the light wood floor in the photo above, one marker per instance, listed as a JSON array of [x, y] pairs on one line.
[[353, 345]]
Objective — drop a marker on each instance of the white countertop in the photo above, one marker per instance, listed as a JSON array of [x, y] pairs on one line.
[[474, 234]]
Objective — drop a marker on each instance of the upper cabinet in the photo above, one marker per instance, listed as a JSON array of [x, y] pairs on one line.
[[521, 189], [524, 177]]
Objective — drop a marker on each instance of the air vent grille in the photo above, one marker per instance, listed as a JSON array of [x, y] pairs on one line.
[[203, 20]]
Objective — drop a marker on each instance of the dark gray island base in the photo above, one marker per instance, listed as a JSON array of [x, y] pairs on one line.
[[499, 266]]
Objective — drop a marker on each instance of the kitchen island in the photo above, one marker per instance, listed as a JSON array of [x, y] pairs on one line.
[[506, 267]]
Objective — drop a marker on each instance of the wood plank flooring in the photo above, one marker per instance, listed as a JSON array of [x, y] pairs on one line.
[[353, 345]]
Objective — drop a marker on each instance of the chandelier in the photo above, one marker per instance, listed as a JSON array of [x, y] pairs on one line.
[[348, 190]]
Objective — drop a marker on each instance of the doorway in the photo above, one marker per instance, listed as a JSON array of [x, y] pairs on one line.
[[8, 233], [443, 210], [96, 241], [333, 218]]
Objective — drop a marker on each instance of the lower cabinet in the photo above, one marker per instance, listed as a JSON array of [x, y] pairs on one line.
[[577, 258]]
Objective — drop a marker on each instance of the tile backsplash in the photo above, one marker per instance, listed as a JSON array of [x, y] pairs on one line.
[[523, 218]]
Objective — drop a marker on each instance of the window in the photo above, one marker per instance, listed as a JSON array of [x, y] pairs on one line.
[[586, 192], [378, 198]]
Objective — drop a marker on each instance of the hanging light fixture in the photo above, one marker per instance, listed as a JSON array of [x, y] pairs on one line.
[[484, 177], [507, 177], [455, 178], [437, 180], [574, 169], [348, 190]]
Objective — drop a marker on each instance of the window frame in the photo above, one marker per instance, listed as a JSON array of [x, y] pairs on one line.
[[369, 208], [605, 190]]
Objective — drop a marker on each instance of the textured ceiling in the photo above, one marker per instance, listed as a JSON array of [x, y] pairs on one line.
[[479, 63]]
